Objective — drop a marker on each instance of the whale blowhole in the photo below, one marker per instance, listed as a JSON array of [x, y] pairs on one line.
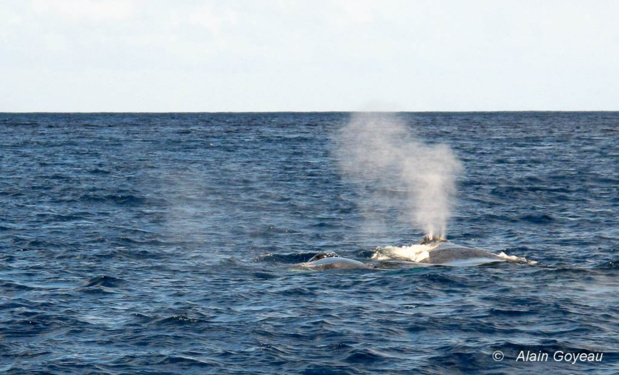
[[431, 240]]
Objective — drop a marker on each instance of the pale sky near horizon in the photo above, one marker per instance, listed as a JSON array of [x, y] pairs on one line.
[[318, 55]]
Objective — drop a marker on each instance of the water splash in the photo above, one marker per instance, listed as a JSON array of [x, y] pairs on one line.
[[379, 149]]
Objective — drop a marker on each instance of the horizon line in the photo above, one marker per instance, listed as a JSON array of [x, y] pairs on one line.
[[330, 111]]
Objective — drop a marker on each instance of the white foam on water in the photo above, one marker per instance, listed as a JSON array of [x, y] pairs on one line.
[[513, 258], [412, 253]]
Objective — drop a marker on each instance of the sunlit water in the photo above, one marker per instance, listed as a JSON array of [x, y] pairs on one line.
[[166, 243]]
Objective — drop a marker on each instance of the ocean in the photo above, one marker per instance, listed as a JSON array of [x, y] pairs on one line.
[[170, 243]]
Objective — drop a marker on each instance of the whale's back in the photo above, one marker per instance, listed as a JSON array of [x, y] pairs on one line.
[[334, 263], [452, 254]]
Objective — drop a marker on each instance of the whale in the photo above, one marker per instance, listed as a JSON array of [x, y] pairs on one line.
[[448, 253], [428, 251], [330, 260], [439, 251]]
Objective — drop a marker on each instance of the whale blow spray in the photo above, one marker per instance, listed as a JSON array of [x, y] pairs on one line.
[[380, 151]]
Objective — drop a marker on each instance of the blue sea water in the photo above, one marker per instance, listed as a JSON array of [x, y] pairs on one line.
[[166, 244]]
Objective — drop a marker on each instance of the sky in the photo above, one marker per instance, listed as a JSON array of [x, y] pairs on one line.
[[317, 55]]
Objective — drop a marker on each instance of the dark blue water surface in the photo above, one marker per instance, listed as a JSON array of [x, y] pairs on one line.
[[165, 244]]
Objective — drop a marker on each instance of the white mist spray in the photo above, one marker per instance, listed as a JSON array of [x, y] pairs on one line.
[[380, 150]]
